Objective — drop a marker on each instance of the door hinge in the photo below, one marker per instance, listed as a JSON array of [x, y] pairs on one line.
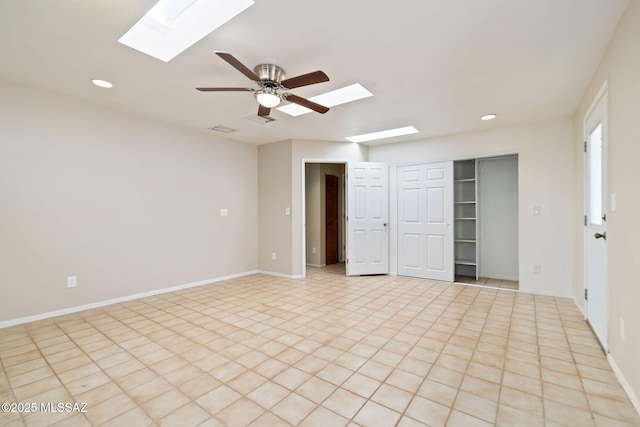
[[586, 294], [585, 220], [585, 146]]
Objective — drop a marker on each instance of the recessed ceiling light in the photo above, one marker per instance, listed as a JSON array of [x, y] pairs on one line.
[[172, 26], [488, 117], [407, 130], [102, 83], [329, 99]]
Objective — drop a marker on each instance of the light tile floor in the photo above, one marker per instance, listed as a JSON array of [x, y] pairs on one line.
[[324, 351]]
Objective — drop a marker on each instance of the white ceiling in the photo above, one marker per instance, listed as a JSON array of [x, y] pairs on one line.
[[435, 64]]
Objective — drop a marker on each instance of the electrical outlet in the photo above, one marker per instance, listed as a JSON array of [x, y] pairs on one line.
[[273, 256], [72, 281], [313, 250], [535, 268]]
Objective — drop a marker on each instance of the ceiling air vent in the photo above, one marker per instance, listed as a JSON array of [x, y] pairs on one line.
[[222, 129]]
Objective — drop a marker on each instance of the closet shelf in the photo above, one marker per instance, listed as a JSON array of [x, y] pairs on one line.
[[465, 196]]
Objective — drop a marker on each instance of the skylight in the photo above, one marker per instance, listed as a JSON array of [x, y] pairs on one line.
[[329, 99], [102, 83], [407, 130], [172, 26]]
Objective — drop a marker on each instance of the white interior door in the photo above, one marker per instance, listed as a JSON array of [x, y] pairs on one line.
[[367, 218], [425, 218], [596, 221]]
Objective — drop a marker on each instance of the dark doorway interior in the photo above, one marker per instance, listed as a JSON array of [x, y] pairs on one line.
[[331, 219]]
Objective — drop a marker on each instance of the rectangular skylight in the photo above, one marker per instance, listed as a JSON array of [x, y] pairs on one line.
[[172, 26], [407, 130], [329, 99]]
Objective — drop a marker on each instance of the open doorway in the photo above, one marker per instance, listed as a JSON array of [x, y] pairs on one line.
[[486, 203], [325, 214]]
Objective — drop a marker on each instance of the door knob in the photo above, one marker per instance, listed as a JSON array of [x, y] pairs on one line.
[[385, 224], [601, 235]]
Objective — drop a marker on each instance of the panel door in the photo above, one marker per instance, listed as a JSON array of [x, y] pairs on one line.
[[367, 218], [596, 222], [425, 218], [332, 215]]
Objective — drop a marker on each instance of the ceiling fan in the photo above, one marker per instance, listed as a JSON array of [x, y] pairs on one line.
[[270, 79]]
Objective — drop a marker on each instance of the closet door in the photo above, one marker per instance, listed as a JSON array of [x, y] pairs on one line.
[[425, 217]]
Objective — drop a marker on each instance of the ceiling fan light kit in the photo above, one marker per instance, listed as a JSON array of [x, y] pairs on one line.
[[270, 78], [267, 97]]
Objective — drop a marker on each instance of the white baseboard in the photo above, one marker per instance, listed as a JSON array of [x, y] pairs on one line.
[[284, 276], [616, 370], [575, 301], [70, 310], [317, 265], [623, 381], [546, 293], [499, 277], [473, 285]]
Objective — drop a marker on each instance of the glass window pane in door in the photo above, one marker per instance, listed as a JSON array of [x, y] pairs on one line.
[[594, 151]]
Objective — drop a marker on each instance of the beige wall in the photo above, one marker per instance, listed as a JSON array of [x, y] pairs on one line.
[[274, 177], [620, 68], [281, 176], [127, 204], [545, 172]]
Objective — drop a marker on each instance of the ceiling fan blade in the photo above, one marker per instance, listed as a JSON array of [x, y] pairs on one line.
[[225, 89], [306, 103], [263, 111], [305, 80], [238, 65]]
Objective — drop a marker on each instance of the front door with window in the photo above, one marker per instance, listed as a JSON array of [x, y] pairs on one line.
[[596, 221]]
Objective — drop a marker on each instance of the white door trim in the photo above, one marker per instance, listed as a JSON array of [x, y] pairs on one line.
[[303, 212]]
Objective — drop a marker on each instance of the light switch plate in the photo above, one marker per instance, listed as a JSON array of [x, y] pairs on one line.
[[72, 281], [224, 212]]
